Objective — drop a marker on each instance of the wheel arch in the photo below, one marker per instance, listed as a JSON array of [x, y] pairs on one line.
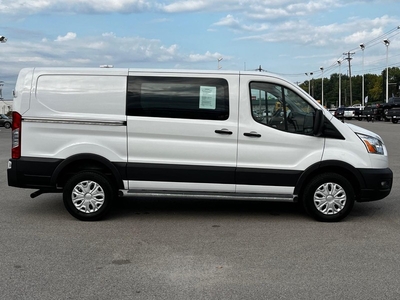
[[86, 161], [331, 166]]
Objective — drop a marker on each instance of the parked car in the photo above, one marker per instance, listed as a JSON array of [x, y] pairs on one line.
[[374, 112], [332, 110], [339, 112], [347, 113], [5, 121], [350, 113], [391, 109]]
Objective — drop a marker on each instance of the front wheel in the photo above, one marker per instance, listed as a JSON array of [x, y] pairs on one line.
[[395, 121], [88, 196], [7, 125], [328, 197]]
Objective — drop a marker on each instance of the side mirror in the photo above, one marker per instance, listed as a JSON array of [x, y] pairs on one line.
[[318, 122]]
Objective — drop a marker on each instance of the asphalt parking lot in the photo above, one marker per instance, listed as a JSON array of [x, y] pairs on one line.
[[177, 249]]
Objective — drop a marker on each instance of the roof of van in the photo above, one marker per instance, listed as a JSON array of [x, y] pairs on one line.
[[126, 71]]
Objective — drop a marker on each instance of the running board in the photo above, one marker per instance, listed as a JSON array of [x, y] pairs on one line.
[[216, 196]]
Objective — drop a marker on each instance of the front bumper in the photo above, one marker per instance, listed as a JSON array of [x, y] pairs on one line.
[[377, 184]]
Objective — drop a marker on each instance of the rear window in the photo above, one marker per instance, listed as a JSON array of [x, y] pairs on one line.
[[178, 97]]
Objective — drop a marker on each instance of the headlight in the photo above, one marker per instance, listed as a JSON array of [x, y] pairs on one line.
[[372, 144]]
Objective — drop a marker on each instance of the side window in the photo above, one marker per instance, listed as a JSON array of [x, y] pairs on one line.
[[178, 97], [281, 108]]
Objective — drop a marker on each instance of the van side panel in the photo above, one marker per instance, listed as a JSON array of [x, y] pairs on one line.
[[71, 114], [66, 113]]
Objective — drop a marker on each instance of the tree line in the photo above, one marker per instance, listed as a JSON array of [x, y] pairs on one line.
[[374, 88]]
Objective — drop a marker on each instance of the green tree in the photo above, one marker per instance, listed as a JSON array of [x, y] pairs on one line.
[[374, 88]]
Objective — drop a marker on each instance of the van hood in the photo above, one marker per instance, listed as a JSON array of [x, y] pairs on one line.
[[358, 129]]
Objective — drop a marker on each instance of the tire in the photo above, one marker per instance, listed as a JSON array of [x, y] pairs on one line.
[[328, 197], [7, 125], [395, 121], [88, 196]]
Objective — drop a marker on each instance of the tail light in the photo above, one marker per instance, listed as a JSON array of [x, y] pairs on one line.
[[16, 135]]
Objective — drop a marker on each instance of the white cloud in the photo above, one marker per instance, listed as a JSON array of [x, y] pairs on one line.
[[185, 6], [68, 37], [76, 6], [236, 25], [229, 21], [302, 32], [94, 51], [109, 34], [259, 8], [208, 56]]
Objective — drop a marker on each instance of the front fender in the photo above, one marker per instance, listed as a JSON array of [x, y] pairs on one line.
[[335, 166]]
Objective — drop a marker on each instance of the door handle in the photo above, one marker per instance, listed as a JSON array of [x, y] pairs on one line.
[[252, 134], [223, 131]]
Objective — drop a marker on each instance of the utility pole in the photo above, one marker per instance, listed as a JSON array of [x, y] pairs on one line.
[[349, 59]]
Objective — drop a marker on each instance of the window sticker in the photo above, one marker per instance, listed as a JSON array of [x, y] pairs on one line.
[[208, 97]]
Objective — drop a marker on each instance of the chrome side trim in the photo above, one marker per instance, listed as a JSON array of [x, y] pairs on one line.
[[75, 121], [216, 196]]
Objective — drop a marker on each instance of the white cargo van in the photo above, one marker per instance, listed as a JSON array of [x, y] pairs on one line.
[[96, 134]]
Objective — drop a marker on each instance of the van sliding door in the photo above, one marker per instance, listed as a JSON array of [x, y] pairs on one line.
[[182, 132]]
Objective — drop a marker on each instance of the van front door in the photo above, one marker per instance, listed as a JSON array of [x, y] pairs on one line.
[[182, 132], [275, 141]]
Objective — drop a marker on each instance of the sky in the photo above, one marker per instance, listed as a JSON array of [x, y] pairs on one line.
[[288, 37]]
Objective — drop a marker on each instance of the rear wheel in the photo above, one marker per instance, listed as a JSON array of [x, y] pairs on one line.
[[7, 125], [328, 197], [88, 196]]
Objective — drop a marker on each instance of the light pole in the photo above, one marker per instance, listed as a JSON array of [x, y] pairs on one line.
[[309, 82], [340, 83], [362, 46], [312, 88], [308, 78], [219, 59], [3, 39], [322, 97], [312, 85], [387, 43], [1, 89]]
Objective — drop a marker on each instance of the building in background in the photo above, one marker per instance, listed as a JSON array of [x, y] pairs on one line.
[[5, 105]]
